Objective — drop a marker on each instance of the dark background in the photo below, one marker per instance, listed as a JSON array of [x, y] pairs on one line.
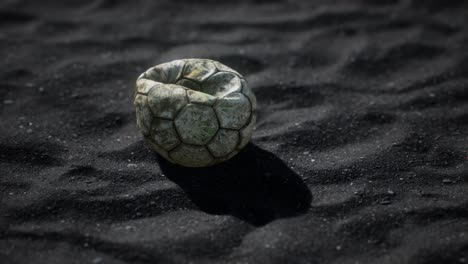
[[359, 156]]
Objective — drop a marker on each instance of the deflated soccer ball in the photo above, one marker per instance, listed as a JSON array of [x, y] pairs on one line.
[[195, 112]]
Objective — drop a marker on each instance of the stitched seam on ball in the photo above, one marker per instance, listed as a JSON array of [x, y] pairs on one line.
[[228, 71], [198, 103], [225, 156], [239, 140], [148, 89], [251, 112], [181, 73], [214, 136], [151, 109], [206, 78], [195, 81], [163, 118], [182, 140], [153, 135], [192, 144], [177, 131], [187, 88], [235, 147], [250, 116], [219, 125], [180, 110], [169, 153], [211, 154], [178, 144]]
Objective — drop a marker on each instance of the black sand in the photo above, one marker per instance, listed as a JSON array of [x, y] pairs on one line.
[[360, 153]]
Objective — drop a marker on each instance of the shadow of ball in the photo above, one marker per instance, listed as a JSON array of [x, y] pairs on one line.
[[254, 186]]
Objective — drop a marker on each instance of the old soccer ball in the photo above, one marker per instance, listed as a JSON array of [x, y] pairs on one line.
[[195, 112]]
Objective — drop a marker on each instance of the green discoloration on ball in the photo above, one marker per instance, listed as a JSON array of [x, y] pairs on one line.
[[233, 111], [195, 112], [196, 124]]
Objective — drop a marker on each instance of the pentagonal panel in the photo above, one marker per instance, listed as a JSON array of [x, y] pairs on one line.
[[222, 67], [189, 84], [248, 92], [158, 149], [167, 72], [196, 124], [164, 133], [222, 83], [233, 111], [167, 100], [191, 156], [200, 98], [224, 142], [246, 132], [143, 114], [198, 70]]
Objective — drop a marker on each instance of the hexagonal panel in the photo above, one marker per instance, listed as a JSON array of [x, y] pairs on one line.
[[189, 84], [222, 83], [167, 72], [164, 133], [200, 98], [225, 68], [248, 92], [198, 70], [233, 111], [196, 124], [224, 142], [143, 114], [191, 156], [167, 100], [246, 132]]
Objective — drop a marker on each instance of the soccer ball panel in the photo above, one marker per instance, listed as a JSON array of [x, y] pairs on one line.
[[222, 67], [167, 72], [164, 133], [191, 156], [166, 100], [248, 92], [189, 84], [198, 70], [156, 73], [143, 85], [196, 124], [200, 98], [246, 132], [223, 143], [233, 111], [143, 114], [222, 83]]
